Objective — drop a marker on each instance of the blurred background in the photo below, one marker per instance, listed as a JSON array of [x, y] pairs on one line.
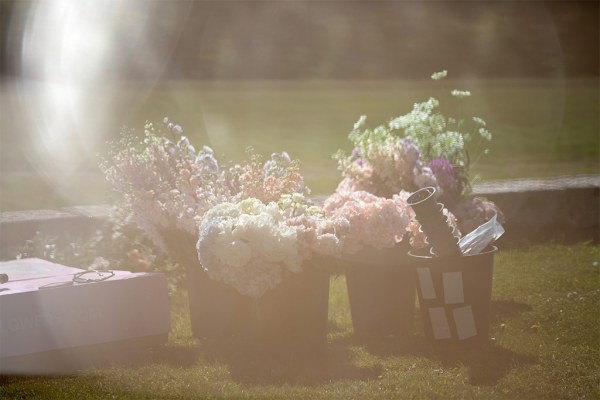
[[286, 75]]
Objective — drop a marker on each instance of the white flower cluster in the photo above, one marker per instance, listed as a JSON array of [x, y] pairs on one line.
[[461, 94], [248, 246], [436, 76]]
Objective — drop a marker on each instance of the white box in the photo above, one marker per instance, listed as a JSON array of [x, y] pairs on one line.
[[66, 328]]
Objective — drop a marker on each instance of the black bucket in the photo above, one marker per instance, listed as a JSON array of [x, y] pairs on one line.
[[381, 291], [292, 317], [455, 295], [216, 310]]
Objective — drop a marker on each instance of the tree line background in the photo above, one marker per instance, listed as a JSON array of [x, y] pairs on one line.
[[349, 39]]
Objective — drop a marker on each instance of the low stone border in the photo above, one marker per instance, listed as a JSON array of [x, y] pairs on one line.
[[536, 210], [562, 209]]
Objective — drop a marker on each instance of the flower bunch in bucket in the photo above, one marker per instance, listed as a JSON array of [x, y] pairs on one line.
[[253, 246], [241, 230], [168, 186], [423, 148]]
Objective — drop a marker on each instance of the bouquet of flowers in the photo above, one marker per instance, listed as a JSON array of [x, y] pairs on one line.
[[365, 221], [249, 225], [168, 186], [252, 246], [423, 148]]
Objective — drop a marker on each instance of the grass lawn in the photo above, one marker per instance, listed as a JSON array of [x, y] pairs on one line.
[[545, 325], [541, 128]]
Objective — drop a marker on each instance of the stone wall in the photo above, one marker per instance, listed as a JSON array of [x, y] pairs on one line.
[[560, 209]]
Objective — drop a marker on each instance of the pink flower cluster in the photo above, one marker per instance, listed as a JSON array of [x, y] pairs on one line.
[[383, 163], [268, 181], [364, 220]]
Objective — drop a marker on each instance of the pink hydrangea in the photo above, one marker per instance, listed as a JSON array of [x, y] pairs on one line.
[[367, 221]]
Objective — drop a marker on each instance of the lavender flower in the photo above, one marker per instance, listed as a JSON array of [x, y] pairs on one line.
[[446, 178]]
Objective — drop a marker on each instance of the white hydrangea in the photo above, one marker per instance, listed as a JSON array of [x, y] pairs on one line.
[[248, 246]]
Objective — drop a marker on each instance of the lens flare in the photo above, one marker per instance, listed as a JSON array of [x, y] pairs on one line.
[[74, 57]]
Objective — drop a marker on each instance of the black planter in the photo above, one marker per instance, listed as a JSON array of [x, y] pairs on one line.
[[292, 317], [381, 290], [454, 296], [216, 310], [289, 318]]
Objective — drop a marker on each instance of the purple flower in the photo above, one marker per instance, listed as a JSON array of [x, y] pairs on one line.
[[410, 150], [446, 178]]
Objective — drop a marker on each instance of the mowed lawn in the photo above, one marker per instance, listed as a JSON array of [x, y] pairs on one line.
[[545, 342], [541, 128]]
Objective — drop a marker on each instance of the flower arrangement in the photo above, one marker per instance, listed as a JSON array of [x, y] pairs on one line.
[[168, 187], [252, 246], [422, 148], [251, 223]]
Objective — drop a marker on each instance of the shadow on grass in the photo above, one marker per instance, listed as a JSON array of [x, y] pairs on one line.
[[486, 363], [251, 363], [397, 346], [254, 363]]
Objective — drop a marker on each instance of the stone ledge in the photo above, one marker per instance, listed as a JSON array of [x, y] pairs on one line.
[[564, 208], [80, 221], [537, 185]]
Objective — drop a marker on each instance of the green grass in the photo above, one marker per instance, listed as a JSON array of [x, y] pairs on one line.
[[545, 325], [541, 128]]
